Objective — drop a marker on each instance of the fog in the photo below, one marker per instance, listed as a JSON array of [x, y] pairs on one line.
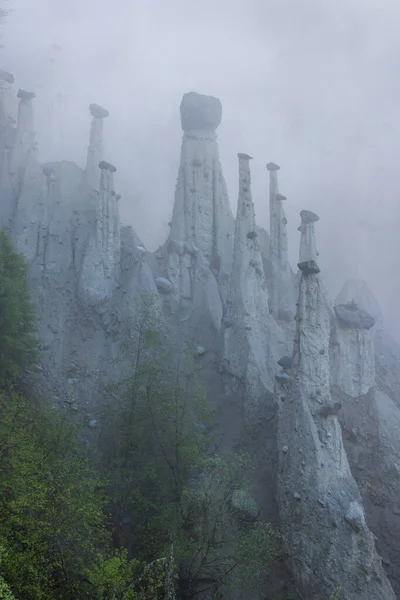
[[312, 85]]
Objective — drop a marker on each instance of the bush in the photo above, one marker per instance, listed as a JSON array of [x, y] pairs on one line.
[[18, 345]]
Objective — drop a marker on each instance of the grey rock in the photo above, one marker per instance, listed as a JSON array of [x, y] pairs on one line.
[[283, 378], [271, 166], [308, 216], [10, 136], [355, 516], [280, 197], [309, 267], [200, 112], [190, 248], [8, 77], [106, 166], [48, 170], [321, 542], [243, 156], [164, 285], [93, 423], [330, 409], [24, 95], [350, 315], [98, 112], [200, 350], [358, 291], [286, 361], [177, 246]]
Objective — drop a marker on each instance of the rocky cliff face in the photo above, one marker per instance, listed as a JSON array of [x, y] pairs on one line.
[[253, 341], [322, 516], [226, 288]]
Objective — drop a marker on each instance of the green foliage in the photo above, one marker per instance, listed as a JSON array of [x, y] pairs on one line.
[[5, 592], [51, 503], [165, 476], [18, 345], [335, 595], [55, 535], [118, 578], [258, 548]]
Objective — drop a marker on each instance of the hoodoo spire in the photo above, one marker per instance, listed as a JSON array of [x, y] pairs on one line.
[[7, 100], [322, 515], [202, 225], [247, 325], [202, 213], [25, 140], [308, 249], [281, 283], [7, 136], [108, 227], [95, 153]]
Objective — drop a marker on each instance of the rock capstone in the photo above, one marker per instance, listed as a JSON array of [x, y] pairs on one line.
[[8, 77], [281, 299], [350, 315], [24, 95], [98, 112], [199, 112]]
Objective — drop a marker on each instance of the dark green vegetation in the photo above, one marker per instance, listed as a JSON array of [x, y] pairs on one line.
[[149, 510]]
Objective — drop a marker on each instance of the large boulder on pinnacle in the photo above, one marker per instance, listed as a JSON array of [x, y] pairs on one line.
[[200, 112]]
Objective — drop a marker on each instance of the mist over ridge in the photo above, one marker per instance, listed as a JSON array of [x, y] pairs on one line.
[[311, 86]]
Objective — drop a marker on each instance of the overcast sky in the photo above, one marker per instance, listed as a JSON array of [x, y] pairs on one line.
[[311, 84]]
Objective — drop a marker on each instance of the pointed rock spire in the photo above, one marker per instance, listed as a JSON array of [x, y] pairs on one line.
[[202, 225], [108, 226], [24, 142], [7, 100], [277, 218], [101, 263], [280, 282], [245, 229], [95, 153], [322, 516], [249, 330], [352, 350], [202, 214], [308, 249]]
